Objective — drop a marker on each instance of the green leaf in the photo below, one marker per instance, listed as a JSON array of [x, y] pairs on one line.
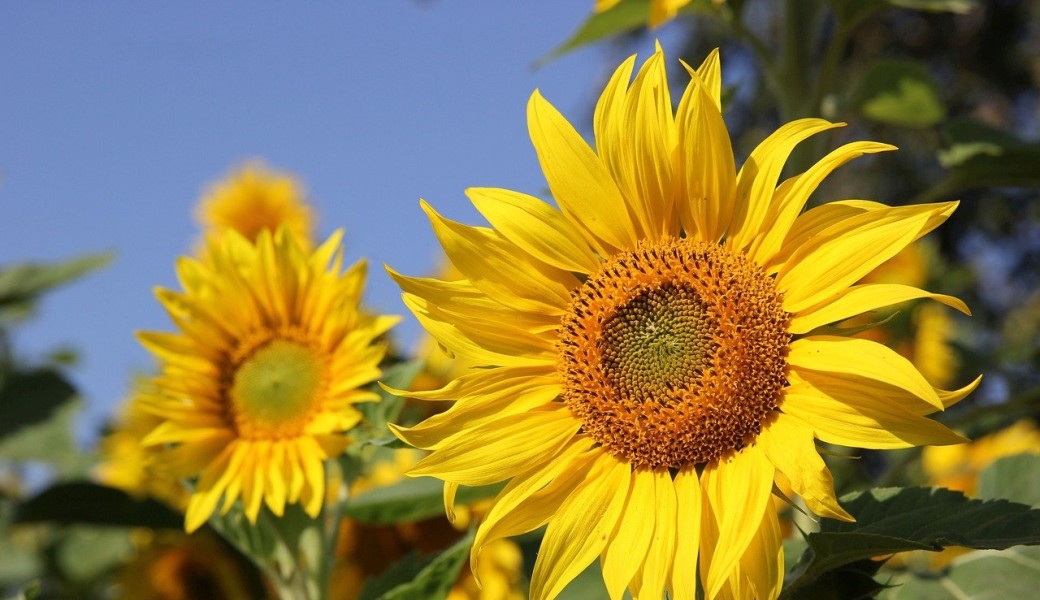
[[890, 520], [418, 578], [854, 581], [979, 155], [901, 93], [400, 377], [85, 553], [588, 585], [28, 398], [980, 575], [938, 6], [84, 502], [621, 18], [24, 281], [1015, 478], [49, 441], [412, 499]]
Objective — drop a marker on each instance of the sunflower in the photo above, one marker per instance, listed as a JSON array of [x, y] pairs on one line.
[[254, 198], [650, 348], [661, 11], [257, 388]]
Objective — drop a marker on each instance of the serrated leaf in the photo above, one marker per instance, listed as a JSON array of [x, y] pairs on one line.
[[28, 398], [24, 281], [417, 578], [979, 575], [1015, 478], [901, 93], [854, 581], [412, 499], [89, 503], [890, 520]]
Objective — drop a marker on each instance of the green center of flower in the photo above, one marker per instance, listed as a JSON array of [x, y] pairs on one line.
[[276, 387], [675, 353], [661, 340]]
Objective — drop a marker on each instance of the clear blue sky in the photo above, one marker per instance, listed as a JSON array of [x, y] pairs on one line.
[[115, 115]]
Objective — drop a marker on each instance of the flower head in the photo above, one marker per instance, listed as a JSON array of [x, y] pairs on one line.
[[650, 361], [255, 198], [258, 386]]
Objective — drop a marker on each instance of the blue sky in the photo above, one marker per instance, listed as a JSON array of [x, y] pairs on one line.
[[115, 115]]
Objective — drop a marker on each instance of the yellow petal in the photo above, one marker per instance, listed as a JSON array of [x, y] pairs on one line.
[[788, 443], [578, 179], [531, 498], [535, 227], [579, 530], [783, 212], [859, 299], [497, 268], [628, 544], [710, 73], [500, 448], [735, 488], [861, 358], [841, 255], [654, 574], [706, 173], [762, 563], [757, 179], [688, 523]]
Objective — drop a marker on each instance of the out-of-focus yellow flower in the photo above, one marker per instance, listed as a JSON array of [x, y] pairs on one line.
[[129, 465], [365, 551], [172, 566], [958, 467], [661, 11], [254, 198], [259, 384]]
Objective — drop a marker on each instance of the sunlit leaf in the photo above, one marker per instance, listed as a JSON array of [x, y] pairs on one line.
[[1015, 478], [890, 520], [954, 6], [980, 575], [412, 499], [24, 281], [901, 93], [625, 16], [85, 553], [49, 441]]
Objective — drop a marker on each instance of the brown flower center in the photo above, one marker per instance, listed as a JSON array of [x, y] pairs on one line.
[[675, 353]]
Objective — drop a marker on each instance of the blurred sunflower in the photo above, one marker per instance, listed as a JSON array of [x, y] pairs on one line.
[[129, 465], [254, 198], [649, 348], [661, 11], [257, 388], [958, 467]]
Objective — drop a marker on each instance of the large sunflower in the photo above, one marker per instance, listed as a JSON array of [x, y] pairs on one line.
[[651, 360], [257, 388]]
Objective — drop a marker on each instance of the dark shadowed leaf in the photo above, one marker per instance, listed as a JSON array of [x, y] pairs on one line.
[[89, 503], [415, 577], [890, 520], [28, 398]]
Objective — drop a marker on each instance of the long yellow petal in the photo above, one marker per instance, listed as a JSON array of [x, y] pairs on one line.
[[501, 448], [710, 73], [688, 523], [653, 576], [859, 299], [706, 172], [535, 227], [861, 358], [783, 213], [578, 179], [735, 488], [579, 530], [861, 413], [788, 443], [757, 178], [762, 562], [531, 498], [623, 555], [498, 268]]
